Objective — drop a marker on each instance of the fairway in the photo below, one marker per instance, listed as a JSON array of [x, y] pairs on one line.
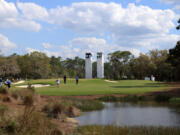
[[96, 87]]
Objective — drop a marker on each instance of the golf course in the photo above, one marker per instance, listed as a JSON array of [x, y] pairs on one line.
[[95, 87]]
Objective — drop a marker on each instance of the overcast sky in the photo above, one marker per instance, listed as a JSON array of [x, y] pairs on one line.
[[69, 28]]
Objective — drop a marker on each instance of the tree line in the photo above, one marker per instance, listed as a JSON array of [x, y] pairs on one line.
[[164, 65]]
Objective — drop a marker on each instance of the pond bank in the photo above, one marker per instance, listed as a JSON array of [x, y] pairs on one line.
[[113, 130]]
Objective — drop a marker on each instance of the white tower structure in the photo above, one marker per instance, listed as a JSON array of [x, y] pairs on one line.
[[88, 65], [100, 65]]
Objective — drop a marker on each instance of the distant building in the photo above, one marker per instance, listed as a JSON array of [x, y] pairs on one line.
[[152, 78], [100, 65], [147, 78], [88, 65]]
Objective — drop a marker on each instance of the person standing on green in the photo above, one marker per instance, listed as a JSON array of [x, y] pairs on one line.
[[64, 79], [1, 81], [77, 79]]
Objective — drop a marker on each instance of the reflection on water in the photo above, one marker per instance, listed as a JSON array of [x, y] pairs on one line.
[[128, 114]]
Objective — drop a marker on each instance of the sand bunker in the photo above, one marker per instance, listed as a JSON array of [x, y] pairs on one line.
[[19, 82], [111, 81], [34, 85]]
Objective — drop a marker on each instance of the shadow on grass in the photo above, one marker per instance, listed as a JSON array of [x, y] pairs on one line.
[[147, 85]]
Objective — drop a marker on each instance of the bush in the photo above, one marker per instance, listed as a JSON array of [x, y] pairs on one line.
[[15, 95], [54, 109], [174, 100], [86, 105], [129, 98], [3, 109], [57, 132], [6, 99], [30, 87], [3, 90], [11, 127], [108, 98], [28, 100], [162, 98]]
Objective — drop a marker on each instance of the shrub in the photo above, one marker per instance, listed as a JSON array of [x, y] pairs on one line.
[[11, 127], [15, 95], [28, 100], [87, 105], [6, 99], [129, 98], [57, 132], [162, 98], [54, 109], [174, 100], [30, 87], [3, 109], [108, 98], [3, 90]]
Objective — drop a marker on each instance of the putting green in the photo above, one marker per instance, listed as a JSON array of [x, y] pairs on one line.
[[96, 87]]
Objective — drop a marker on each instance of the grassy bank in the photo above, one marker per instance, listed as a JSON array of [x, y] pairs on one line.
[[85, 105], [113, 130], [97, 87]]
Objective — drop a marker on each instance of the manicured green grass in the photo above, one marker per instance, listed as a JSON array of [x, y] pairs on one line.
[[96, 87]]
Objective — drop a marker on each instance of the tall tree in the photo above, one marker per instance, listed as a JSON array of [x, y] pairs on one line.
[[162, 69], [120, 63], [174, 59], [178, 27], [34, 65], [56, 66], [141, 66], [9, 66]]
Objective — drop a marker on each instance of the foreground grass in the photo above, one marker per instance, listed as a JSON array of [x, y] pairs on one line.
[[97, 87], [113, 130]]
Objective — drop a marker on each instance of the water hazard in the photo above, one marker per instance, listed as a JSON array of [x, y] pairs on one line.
[[128, 114]]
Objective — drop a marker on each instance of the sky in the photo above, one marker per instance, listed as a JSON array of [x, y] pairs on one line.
[[70, 28]]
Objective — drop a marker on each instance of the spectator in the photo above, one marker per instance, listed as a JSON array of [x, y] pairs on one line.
[[64, 79], [58, 81], [77, 79], [1, 82], [8, 83]]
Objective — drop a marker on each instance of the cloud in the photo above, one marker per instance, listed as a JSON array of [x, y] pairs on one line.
[[137, 1], [33, 11], [133, 27], [79, 46], [161, 41], [47, 52], [47, 45], [10, 17], [170, 1], [5, 44], [91, 17], [176, 3], [112, 17], [177, 7]]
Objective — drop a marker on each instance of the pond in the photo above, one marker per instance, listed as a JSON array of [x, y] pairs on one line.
[[129, 114]]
